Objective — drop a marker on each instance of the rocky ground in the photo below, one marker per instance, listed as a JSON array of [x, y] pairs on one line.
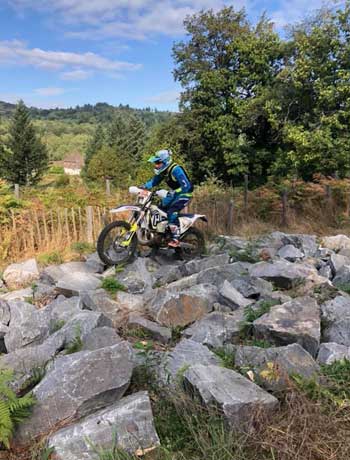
[[280, 303]]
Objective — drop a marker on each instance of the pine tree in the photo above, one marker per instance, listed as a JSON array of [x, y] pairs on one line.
[[136, 137], [94, 146], [24, 158]]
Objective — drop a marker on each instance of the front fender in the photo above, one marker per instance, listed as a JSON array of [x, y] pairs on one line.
[[125, 208]]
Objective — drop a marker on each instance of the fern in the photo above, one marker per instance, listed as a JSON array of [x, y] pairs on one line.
[[13, 409]]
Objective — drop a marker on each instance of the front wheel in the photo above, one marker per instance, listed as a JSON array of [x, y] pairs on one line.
[[115, 245], [192, 244]]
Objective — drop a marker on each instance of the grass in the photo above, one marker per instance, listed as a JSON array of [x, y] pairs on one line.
[[344, 287], [251, 314], [81, 248], [50, 258], [75, 344], [112, 286]]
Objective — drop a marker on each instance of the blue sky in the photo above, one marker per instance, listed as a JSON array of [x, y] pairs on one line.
[[71, 52]]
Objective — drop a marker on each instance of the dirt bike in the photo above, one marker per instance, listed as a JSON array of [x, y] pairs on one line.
[[147, 226]]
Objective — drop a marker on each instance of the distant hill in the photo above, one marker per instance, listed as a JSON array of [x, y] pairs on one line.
[[98, 113]]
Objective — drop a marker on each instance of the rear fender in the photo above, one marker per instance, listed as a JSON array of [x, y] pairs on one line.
[[187, 222]]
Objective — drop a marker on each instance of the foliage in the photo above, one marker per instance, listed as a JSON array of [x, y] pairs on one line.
[[251, 313], [50, 258], [112, 285], [82, 247], [108, 163], [13, 409], [23, 158], [76, 344], [227, 357]]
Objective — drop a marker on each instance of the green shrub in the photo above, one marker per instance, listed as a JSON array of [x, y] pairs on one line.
[[55, 169], [13, 409], [112, 286], [76, 344], [251, 313], [62, 180], [81, 247], [49, 258]]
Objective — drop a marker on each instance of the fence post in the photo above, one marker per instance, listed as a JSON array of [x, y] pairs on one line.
[[89, 220], [17, 191], [246, 179], [284, 196], [108, 187], [230, 217]]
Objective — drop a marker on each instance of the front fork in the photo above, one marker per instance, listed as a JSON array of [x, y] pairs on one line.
[[131, 232]]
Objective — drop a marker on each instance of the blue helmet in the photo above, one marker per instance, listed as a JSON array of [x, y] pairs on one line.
[[162, 157]]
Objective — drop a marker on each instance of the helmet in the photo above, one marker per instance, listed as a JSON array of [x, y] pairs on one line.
[[162, 157]]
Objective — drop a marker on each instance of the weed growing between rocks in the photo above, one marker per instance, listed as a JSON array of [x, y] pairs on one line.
[[13, 409], [345, 287], [75, 344], [253, 313], [112, 286]]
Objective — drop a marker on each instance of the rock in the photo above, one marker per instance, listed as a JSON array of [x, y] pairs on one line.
[[326, 272], [336, 243], [216, 329], [28, 326], [159, 333], [290, 253], [324, 253], [75, 283], [338, 332], [130, 418], [42, 291], [251, 287], [343, 276], [331, 352], [232, 297], [82, 324], [297, 321], [21, 274], [217, 275], [227, 243], [130, 302], [184, 283], [21, 294], [174, 308], [136, 277], [306, 243], [288, 360], [27, 362], [238, 398], [76, 386], [282, 273], [3, 331], [199, 265], [335, 309], [62, 310], [94, 264], [337, 262], [167, 274], [345, 252], [54, 273], [5, 314], [101, 302], [185, 354], [101, 337]]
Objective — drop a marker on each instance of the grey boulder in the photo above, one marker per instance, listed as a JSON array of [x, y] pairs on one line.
[[331, 352], [74, 283], [179, 308], [291, 359], [127, 424], [297, 321], [282, 273], [76, 386], [159, 333], [238, 398], [216, 329], [290, 253]]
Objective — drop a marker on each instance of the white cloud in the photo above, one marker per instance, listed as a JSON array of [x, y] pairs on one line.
[[141, 19], [48, 92], [17, 52], [76, 75], [167, 97]]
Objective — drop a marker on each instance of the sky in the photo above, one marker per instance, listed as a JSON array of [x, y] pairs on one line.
[[62, 53]]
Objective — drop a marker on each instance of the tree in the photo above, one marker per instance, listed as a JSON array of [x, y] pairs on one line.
[[94, 146], [226, 69], [106, 163], [23, 158]]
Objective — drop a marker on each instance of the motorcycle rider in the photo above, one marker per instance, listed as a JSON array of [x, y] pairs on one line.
[[181, 190]]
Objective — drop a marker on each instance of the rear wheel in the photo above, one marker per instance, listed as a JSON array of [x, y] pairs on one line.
[[192, 244], [113, 244]]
